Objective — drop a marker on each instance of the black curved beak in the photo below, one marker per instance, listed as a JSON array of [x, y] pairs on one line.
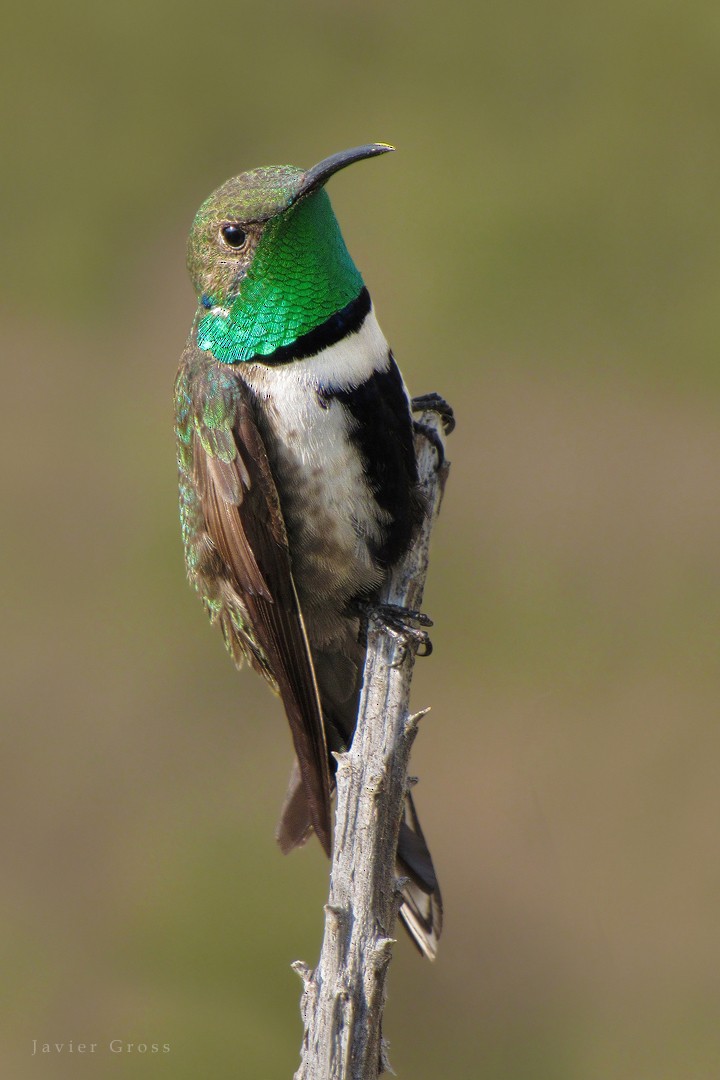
[[320, 173]]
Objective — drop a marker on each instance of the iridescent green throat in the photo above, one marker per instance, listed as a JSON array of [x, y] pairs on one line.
[[300, 276]]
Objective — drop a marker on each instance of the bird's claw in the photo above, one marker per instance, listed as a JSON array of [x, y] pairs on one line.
[[437, 404], [433, 403], [403, 624], [433, 438]]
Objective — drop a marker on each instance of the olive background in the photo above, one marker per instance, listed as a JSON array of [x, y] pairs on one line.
[[543, 250]]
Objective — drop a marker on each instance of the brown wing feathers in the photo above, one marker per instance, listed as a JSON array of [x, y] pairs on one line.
[[245, 524]]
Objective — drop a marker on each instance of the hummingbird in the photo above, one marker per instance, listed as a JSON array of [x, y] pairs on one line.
[[297, 474]]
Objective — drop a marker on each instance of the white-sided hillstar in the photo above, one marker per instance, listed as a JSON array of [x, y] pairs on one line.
[[298, 481]]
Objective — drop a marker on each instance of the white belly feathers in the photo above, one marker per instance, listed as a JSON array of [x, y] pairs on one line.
[[330, 512]]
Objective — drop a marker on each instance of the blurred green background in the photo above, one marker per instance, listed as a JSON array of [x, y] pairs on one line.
[[543, 250]]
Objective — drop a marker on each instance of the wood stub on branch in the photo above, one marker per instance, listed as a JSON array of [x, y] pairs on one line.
[[343, 998]]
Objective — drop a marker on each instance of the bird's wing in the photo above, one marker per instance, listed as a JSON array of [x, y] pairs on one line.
[[238, 556]]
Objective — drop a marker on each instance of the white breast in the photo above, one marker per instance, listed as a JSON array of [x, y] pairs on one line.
[[330, 512]]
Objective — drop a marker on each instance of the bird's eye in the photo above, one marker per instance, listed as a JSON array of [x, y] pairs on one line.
[[233, 235]]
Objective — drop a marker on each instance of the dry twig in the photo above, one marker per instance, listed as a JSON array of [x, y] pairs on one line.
[[343, 999]]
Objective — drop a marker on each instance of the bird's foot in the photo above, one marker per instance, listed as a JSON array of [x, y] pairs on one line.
[[403, 624], [435, 403], [433, 438]]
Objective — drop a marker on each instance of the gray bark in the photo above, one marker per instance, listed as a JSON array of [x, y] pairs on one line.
[[343, 998]]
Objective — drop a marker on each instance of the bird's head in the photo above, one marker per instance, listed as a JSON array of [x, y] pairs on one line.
[[268, 260]]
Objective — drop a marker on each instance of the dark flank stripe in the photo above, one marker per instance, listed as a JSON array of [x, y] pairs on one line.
[[346, 321], [383, 433]]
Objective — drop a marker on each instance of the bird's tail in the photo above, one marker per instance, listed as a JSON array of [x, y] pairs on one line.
[[339, 678], [421, 909]]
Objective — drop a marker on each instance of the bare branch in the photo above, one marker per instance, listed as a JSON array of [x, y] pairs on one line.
[[343, 999]]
